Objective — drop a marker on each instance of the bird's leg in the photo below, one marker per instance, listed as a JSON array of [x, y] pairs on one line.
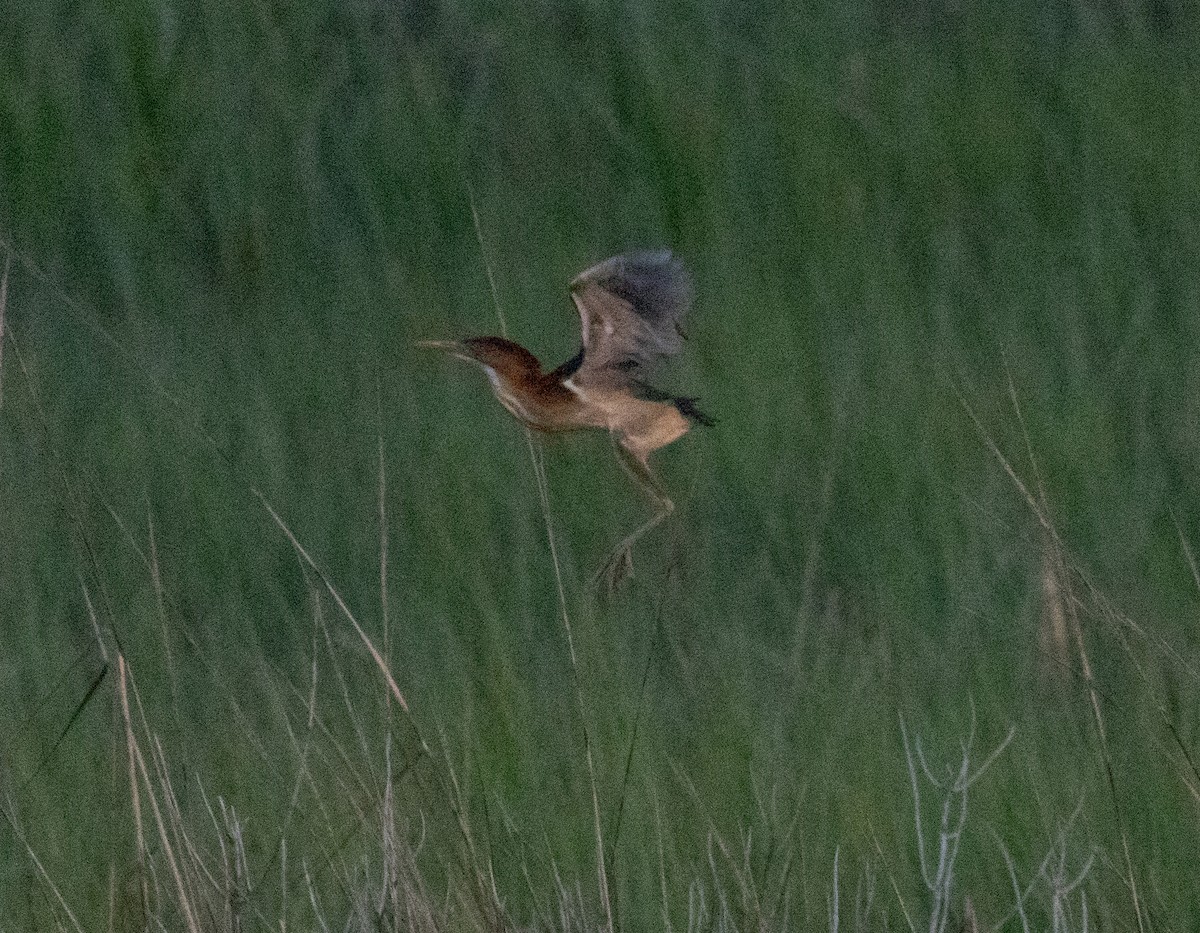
[[619, 563]]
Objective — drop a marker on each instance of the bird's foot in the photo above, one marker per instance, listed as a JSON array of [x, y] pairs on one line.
[[615, 570]]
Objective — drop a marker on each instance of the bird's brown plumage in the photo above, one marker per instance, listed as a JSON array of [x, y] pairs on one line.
[[631, 308]]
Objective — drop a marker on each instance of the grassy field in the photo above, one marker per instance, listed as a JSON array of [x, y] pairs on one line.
[[281, 642]]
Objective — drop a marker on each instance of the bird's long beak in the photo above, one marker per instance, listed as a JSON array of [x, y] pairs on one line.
[[453, 347]]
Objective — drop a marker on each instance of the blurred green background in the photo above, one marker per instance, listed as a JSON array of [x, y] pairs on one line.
[[225, 226]]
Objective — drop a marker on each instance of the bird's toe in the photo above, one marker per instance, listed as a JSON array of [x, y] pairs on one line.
[[615, 570]]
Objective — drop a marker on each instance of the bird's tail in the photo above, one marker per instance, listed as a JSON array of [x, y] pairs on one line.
[[687, 407], [684, 404]]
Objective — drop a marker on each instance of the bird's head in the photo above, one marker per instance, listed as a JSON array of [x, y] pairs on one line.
[[496, 354]]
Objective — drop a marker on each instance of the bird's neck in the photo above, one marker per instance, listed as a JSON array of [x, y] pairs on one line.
[[510, 398]]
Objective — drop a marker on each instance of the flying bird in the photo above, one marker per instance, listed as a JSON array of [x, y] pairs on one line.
[[630, 309]]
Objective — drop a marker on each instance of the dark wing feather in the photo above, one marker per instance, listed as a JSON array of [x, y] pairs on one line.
[[631, 309]]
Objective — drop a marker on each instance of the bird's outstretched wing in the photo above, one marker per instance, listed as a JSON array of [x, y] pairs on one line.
[[631, 308]]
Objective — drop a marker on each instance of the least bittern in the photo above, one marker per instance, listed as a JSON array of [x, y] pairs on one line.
[[631, 308]]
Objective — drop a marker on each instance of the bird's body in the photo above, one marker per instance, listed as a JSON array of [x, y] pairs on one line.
[[553, 402], [630, 309]]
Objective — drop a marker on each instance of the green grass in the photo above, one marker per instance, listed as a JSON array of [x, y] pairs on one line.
[[916, 235]]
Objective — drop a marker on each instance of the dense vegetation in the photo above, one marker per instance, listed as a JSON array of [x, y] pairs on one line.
[[946, 264]]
